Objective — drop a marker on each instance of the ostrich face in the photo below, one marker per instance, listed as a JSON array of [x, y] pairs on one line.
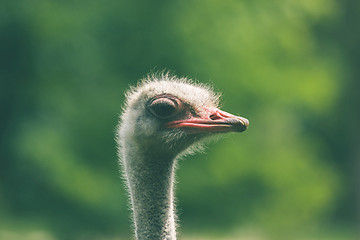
[[169, 116]]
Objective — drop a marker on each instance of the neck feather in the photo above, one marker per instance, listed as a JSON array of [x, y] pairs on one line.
[[150, 181]]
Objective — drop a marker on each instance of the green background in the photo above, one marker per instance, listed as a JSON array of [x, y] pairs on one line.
[[291, 67]]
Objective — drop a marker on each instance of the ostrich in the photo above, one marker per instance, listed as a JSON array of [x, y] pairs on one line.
[[164, 117]]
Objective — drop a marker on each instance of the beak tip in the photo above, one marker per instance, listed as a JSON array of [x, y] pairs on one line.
[[244, 124]]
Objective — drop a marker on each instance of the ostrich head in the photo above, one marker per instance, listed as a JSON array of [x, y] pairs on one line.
[[167, 115], [163, 117]]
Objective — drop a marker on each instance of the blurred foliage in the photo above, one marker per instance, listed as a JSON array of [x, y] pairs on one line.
[[288, 66]]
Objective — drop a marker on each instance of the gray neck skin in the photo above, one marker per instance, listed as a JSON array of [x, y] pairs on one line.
[[150, 181]]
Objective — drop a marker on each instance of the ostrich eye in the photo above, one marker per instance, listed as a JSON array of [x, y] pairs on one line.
[[163, 107]]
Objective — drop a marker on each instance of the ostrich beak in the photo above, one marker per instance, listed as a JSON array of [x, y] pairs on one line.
[[214, 121]]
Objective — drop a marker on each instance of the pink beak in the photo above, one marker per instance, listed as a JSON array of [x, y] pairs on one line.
[[215, 121]]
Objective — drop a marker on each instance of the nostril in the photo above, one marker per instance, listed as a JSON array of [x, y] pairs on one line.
[[214, 117]]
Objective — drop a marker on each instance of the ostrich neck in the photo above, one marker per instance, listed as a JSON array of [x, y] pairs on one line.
[[150, 181]]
